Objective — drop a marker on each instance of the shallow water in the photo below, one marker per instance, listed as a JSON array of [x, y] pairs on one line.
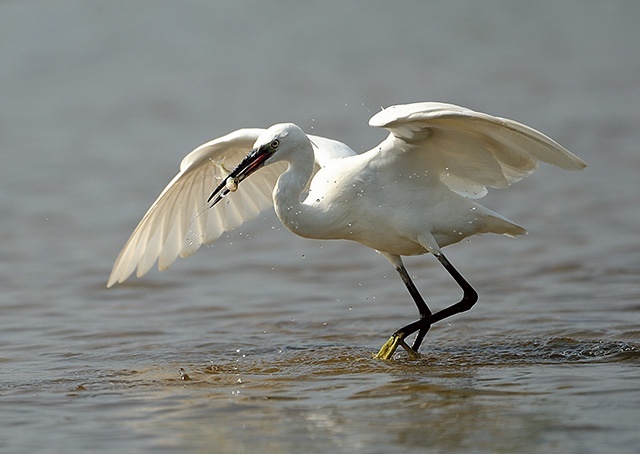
[[264, 340]]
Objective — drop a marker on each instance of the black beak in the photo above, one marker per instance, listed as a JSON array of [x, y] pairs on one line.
[[252, 162]]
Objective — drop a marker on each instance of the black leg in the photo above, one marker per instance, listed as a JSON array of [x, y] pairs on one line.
[[469, 298], [423, 309]]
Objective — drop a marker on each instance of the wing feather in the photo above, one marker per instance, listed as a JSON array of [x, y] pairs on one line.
[[179, 221], [468, 150]]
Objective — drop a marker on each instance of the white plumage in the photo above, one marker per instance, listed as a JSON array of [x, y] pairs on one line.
[[413, 193]]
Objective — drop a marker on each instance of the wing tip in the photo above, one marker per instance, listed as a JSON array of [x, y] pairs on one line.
[[114, 280], [565, 159], [577, 163]]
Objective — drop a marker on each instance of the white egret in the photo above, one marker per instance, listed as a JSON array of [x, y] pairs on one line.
[[413, 193]]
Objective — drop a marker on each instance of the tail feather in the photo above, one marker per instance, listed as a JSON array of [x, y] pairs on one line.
[[496, 223]]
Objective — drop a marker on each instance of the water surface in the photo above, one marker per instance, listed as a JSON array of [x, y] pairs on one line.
[[264, 340]]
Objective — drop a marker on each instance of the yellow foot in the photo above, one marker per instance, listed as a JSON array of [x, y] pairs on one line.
[[389, 348]]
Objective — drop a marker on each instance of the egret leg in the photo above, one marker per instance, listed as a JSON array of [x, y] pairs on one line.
[[469, 299], [397, 340], [423, 309]]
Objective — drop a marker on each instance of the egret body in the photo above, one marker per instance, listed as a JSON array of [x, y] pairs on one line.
[[412, 194]]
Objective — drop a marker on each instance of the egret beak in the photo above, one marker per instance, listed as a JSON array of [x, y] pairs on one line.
[[252, 162]]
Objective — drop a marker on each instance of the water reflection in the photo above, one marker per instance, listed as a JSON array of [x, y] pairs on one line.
[[495, 397]]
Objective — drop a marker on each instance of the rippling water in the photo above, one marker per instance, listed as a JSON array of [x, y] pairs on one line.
[[264, 341]]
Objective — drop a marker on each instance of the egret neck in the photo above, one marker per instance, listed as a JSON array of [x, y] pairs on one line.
[[302, 218]]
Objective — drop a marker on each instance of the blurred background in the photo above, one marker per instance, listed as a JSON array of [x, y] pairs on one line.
[[101, 100]]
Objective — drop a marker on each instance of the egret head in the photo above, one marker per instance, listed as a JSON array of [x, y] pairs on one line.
[[286, 137], [275, 144]]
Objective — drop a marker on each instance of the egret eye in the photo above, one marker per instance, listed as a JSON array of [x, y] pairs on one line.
[[275, 143]]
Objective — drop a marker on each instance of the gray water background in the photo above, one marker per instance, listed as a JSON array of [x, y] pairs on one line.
[[101, 100]]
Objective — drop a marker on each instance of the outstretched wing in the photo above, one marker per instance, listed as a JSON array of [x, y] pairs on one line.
[[180, 220], [467, 150]]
